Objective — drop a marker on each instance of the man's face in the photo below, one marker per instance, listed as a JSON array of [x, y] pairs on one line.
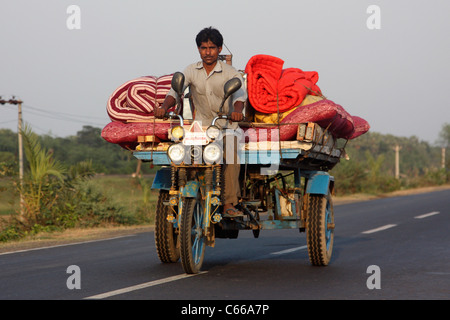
[[209, 52]]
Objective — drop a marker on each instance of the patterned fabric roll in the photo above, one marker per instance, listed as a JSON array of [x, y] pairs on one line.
[[138, 98]]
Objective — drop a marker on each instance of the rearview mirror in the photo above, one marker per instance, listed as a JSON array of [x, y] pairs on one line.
[[178, 83], [231, 86]]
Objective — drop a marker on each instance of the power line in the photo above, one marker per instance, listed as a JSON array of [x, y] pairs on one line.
[[64, 114], [7, 121], [56, 117]]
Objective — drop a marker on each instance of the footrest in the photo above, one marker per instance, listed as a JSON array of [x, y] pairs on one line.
[[255, 203]]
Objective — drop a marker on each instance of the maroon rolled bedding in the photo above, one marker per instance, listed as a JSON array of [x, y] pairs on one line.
[[135, 101], [325, 113], [126, 134], [138, 98]]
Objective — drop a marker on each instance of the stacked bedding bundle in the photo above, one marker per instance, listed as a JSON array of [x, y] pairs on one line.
[[282, 99], [135, 102], [291, 96]]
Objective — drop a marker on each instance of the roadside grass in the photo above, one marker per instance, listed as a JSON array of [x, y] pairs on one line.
[[131, 201], [9, 199], [133, 193]]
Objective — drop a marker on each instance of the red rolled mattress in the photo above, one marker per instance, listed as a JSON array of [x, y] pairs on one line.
[[272, 88]]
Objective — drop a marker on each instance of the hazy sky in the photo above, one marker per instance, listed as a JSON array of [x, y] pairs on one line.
[[396, 77]]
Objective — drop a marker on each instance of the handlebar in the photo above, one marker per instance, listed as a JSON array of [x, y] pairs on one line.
[[172, 114], [220, 116]]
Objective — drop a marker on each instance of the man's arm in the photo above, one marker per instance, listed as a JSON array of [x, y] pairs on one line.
[[171, 99], [239, 99]]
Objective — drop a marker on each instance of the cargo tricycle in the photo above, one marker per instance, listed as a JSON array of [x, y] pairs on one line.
[[284, 185]]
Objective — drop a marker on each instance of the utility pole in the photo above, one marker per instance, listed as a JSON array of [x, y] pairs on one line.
[[397, 161], [14, 101], [443, 158]]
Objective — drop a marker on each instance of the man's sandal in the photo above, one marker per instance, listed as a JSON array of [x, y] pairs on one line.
[[232, 213]]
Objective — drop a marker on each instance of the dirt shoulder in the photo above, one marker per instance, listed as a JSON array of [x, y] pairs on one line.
[[71, 236]]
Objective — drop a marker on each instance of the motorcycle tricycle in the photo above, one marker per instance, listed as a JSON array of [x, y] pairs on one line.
[[284, 185]]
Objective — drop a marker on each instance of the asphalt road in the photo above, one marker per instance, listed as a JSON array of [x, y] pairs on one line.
[[392, 248]]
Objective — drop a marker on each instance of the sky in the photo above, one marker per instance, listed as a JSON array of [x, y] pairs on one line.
[[389, 65]]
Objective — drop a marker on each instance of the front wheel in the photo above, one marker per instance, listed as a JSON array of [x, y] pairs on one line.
[[166, 236], [192, 236], [320, 229]]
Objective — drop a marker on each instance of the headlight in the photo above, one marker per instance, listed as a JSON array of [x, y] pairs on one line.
[[177, 133], [212, 153], [214, 133], [176, 153]]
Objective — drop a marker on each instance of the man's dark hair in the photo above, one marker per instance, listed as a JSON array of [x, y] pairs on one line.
[[209, 34]]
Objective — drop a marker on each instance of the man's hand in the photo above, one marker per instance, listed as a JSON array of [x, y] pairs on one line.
[[237, 116], [160, 112]]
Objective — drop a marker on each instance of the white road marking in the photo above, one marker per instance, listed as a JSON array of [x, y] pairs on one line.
[[379, 228], [289, 250], [426, 215], [143, 285], [64, 245]]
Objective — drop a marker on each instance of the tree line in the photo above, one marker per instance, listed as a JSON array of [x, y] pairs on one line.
[[87, 144], [371, 163], [371, 167]]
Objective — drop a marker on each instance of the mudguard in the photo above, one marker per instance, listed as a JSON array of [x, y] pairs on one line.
[[162, 179], [319, 182]]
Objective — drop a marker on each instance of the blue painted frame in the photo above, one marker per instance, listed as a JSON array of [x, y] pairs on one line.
[[318, 182]]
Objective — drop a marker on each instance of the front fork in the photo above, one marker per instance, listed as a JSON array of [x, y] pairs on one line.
[[203, 183]]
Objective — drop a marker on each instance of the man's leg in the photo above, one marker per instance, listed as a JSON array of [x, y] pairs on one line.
[[232, 169]]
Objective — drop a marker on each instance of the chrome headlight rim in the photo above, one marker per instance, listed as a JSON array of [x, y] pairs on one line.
[[216, 156], [176, 153], [213, 132]]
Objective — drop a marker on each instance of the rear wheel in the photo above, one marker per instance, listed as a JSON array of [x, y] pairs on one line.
[[166, 236], [320, 229], [192, 244]]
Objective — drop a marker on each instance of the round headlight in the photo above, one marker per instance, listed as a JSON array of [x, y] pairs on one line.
[[212, 153], [176, 153], [177, 133], [214, 133]]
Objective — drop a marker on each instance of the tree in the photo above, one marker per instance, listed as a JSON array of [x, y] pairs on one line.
[[90, 136], [444, 136]]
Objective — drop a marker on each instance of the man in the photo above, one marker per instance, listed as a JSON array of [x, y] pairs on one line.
[[206, 79]]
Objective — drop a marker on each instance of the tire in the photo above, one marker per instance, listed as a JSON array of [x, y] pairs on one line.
[[166, 236], [320, 229], [192, 244]]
